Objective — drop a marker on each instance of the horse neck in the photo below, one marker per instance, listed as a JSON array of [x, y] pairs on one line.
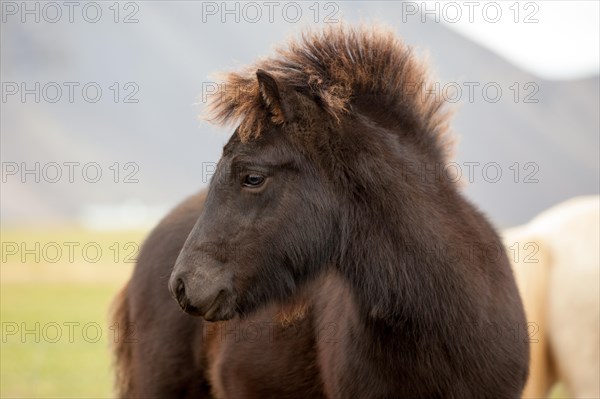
[[392, 253]]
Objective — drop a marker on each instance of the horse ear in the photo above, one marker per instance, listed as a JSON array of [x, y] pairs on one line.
[[274, 96]]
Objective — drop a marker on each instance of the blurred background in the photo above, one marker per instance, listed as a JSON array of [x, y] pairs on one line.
[[100, 137]]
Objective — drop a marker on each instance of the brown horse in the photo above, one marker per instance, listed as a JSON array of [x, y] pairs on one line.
[[326, 259]]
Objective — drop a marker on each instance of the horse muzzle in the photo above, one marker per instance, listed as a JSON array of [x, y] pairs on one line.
[[201, 293]]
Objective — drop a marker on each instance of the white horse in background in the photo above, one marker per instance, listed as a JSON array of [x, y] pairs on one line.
[[556, 260]]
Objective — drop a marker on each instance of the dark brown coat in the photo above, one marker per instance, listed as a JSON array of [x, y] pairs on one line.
[[373, 276]]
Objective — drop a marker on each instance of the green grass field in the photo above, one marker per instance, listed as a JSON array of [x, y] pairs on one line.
[[68, 354], [54, 310]]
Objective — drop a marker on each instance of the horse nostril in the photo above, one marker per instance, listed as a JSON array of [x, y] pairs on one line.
[[180, 290]]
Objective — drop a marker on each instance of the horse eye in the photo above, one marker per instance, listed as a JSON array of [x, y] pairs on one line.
[[253, 180]]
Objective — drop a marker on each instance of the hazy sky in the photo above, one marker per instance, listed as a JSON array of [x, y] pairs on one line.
[[553, 39]]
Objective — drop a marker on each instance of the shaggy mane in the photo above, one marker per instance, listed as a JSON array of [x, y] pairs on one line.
[[336, 65]]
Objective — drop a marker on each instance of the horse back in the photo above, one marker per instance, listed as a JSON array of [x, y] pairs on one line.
[[159, 353]]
